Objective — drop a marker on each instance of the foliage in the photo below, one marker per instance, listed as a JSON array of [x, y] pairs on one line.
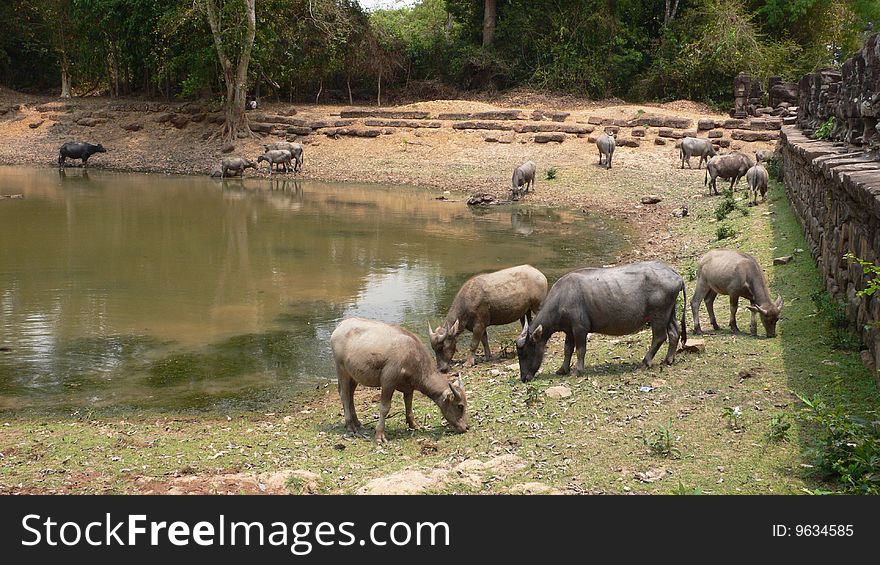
[[663, 443], [725, 231], [682, 490], [780, 424], [732, 415], [872, 270], [824, 130], [551, 173], [849, 447]]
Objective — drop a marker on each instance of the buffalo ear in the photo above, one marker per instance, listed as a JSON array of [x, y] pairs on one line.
[[454, 329], [538, 332], [779, 302]]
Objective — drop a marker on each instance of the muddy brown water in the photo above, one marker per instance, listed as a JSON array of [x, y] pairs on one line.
[[131, 290]]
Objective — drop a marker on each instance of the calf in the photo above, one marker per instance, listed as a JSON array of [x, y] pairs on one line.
[[295, 149], [78, 150], [493, 299], [692, 146], [606, 144], [276, 157], [724, 271], [758, 179], [613, 301], [523, 176], [377, 354]]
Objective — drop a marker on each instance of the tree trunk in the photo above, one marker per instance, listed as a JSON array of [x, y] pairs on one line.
[[348, 84], [65, 75], [379, 91], [320, 90], [671, 9], [234, 74], [490, 15]]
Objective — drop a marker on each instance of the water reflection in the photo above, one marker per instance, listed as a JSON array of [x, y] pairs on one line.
[[181, 291]]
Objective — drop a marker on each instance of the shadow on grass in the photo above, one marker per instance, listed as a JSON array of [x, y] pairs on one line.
[[812, 364]]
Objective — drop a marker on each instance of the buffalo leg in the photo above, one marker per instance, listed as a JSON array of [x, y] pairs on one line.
[[486, 353], [734, 304], [407, 402], [753, 324], [699, 294], [384, 408], [476, 339], [580, 341], [673, 334], [569, 349], [710, 308], [658, 332], [346, 394]]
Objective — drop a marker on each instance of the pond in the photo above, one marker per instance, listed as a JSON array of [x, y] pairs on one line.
[[132, 290]]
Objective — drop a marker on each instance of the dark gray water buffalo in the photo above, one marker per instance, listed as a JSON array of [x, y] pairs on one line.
[[724, 271], [276, 157], [492, 299], [695, 147], [606, 144], [523, 180], [78, 150], [295, 149], [613, 301], [758, 180], [377, 354], [234, 167], [733, 166]]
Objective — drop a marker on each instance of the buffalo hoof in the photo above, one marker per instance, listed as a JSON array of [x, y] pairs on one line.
[[563, 370], [698, 331], [716, 327], [411, 422], [380, 438]]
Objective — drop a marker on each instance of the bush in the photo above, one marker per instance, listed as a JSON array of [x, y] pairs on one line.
[[724, 232], [849, 448], [824, 131], [551, 173], [834, 315]]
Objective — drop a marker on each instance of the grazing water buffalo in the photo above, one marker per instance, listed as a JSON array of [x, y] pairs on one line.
[[78, 150], [764, 155], [235, 166], [523, 180], [613, 301], [606, 144], [493, 299], [295, 149], [731, 166], [276, 157], [724, 271], [758, 179], [692, 146], [376, 354]]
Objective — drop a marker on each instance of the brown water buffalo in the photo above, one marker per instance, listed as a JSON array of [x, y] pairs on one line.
[[377, 354], [725, 271], [731, 166], [492, 299]]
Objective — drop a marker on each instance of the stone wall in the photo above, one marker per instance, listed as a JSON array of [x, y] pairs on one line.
[[850, 94], [834, 189]]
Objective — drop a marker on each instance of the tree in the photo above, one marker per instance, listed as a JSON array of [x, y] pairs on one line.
[[234, 44], [56, 14], [490, 16]]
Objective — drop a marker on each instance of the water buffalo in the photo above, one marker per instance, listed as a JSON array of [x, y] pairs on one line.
[[724, 271], [377, 354], [276, 157], [78, 150], [731, 166], [764, 155], [523, 180], [295, 149], [606, 144], [758, 180], [612, 301], [235, 166], [492, 299], [692, 146]]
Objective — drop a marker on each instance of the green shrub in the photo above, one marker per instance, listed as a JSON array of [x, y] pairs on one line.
[[662, 442], [725, 231], [849, 447], [780, 423], [824, 131], [551, 173], [833, 313]]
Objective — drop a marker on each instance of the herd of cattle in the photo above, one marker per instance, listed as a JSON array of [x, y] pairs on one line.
[[611, 301]]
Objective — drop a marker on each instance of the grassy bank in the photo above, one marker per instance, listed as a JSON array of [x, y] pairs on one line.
[[608, 436]]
